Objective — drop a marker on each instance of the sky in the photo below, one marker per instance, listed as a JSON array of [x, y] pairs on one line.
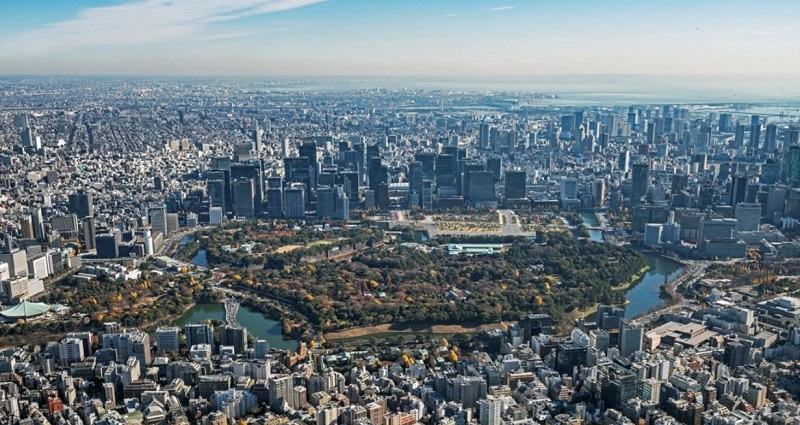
[[399, 37]]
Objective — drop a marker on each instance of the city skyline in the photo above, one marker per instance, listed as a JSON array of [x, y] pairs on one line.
[[351, 37]]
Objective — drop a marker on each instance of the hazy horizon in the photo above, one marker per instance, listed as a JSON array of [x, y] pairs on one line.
[[568, 89]]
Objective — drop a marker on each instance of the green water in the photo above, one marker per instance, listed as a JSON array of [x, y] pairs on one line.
[[256, 323], [644, 295]]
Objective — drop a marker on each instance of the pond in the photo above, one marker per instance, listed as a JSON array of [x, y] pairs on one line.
[[256, 323]]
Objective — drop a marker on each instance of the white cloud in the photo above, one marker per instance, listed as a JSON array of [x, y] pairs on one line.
[[499, 8], [142, 22], [451, 15]]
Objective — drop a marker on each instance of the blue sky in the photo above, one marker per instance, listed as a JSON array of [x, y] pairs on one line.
[[398, 37]]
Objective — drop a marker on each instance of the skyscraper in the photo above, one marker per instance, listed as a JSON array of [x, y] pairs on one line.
[[791, 166], [624, 161], [256, 135], [275, 197], [516, 182], [738, 138], [294, 201], [640, 181], [168, 339], [199, 333], [599, 193], [415, 177], [217, 188], [80, 204], [483, 136], [243, 198], [481, 188], [253, 171], [326, 204], [158, 220], [771, 138], [107, 245], [88, 233], [309, 150], [233, 336], [569, 188], [280, 391], [738, 189], [630, 338], [755, 131], [570, 355], [748, 217]]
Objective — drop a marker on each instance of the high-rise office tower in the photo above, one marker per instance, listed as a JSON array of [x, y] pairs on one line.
[[275, 197], [326, 204], [725, 120], [241, 151], [107, 245], [568, 122], [624, 161], [309, 150], [738, 137], [378, 173], [640, 181], [158, 220], [349, 179], [253, 171], [739, 189], [570, 355], [714, 230], [776, 199], [217, 189], [791, 138], [168, 339], [342, 204], [755, 131], [285, 144], [243, 198], [26, 226], [569, 188], [495, 165], [415, 177], [483, 136], [298, 170], [199, 333], [791, 166], [516, 182], [651, 133], [578, 117], [88, 233], [481, 188], [80, 204], [771, 138], [428, 161], [233, 336], [256, 135], [294, 201], [599, 193], [446, 167], [38, 223], [748, 217]]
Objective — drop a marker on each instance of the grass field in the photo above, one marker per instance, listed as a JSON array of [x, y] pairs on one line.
[[289, 248], [389, 329]]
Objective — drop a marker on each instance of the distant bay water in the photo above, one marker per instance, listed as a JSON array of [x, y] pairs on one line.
[[574, 90]]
